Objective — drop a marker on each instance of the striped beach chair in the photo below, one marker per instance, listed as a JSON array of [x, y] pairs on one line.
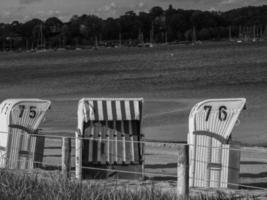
[[112, 127], [19, 121], [214, 162]]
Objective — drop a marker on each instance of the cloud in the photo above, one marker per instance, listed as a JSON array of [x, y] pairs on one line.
[[230, 1], [6, 13], [141, 4], [239, 2], [212, 9], [28, 1]]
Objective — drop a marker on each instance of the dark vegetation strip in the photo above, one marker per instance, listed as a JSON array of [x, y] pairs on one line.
[[169, 25], [19, 185]]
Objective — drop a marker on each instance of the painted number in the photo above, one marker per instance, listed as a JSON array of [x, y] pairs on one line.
[[21, 109], [208, 108], [222, 112], [32, 113]]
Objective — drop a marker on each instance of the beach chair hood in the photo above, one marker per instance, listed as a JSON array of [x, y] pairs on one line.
[[108, 109], [216, 116]]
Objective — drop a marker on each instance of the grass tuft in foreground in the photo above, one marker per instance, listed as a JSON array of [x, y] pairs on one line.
[[22, 186]]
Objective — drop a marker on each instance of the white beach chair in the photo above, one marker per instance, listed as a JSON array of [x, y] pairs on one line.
[[212, 163], [19, 121]]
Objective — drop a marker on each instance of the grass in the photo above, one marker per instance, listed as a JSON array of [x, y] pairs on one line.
[[22, 186]]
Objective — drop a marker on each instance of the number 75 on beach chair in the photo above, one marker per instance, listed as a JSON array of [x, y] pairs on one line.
[[212, 162], [19, 121]]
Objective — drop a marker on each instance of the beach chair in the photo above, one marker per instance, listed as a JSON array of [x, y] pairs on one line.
[[112, 139], [214, 162], [19, 121]]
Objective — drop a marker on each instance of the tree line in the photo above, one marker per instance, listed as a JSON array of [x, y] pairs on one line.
[[156, 26]]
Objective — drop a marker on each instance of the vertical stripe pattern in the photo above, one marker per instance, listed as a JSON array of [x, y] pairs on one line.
[[113, 125], [113, 142], [110, 109]]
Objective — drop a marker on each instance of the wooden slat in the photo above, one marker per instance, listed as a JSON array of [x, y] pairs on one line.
[[90, 146], [123, 148], [107, 147], [99, 141], [115, 143], [132, 148]]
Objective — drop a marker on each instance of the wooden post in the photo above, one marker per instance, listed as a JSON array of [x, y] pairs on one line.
[[142, 154], [78, 156], [66, 157], [183, 172]]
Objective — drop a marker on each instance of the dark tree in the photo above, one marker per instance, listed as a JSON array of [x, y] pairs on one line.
[[157, 25]]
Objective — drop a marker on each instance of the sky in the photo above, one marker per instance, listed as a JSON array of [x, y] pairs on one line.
[[23, 10]]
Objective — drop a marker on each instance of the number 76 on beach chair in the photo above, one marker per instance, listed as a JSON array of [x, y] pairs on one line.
[[213, 163]]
